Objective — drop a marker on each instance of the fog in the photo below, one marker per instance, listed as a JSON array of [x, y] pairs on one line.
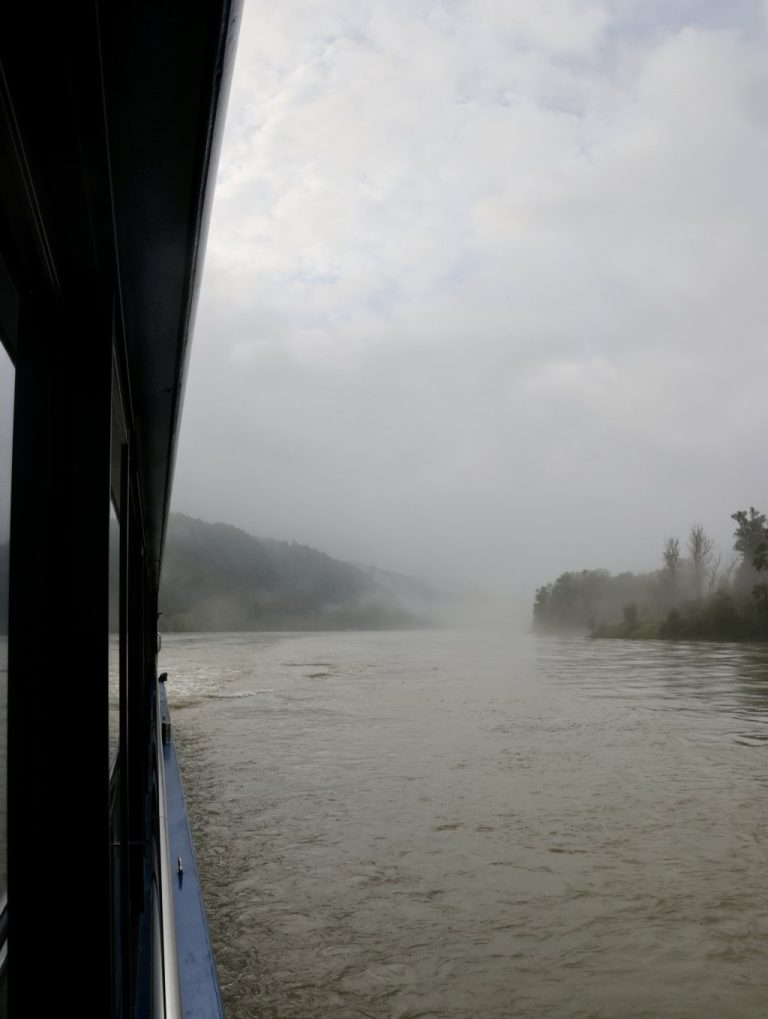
[[484, 292], [484, 297]]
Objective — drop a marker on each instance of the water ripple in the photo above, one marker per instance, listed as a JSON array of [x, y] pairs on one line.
[[451, 825]]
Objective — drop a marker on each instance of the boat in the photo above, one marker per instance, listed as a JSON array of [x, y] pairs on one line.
[[110, 121]]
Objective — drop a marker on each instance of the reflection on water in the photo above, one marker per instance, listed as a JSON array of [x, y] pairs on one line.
[[727, 680], [442, 824]]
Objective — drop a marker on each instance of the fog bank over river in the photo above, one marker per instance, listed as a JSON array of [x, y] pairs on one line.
[[456, 824]]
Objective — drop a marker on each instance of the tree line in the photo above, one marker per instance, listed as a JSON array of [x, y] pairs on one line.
[[696, 593]]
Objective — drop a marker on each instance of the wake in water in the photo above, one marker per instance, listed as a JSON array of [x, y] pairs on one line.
[[552, 828]]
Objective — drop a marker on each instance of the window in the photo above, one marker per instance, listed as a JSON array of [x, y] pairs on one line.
[[6, 430], [114, 633]]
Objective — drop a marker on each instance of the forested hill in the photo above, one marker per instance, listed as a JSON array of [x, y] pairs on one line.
[[216, 577]]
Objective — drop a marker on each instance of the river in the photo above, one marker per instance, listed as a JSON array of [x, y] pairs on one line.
[[452, 824]]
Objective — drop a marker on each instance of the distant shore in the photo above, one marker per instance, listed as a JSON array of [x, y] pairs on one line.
[[702, 597], [654, 631]]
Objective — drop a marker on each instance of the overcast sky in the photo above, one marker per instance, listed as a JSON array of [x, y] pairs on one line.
[[486, 290]]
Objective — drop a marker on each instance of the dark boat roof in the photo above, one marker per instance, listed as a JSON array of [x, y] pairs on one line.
[[110, 117]]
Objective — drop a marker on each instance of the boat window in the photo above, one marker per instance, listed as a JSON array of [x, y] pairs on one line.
[[114, 632], [118, 445], [6, 429]]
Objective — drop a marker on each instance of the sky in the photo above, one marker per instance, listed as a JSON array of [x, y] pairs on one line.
[[486, 286]]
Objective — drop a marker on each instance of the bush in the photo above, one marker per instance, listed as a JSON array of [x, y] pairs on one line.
[[630, 616]]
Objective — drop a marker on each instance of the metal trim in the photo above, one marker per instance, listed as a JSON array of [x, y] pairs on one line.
[[171, 980]]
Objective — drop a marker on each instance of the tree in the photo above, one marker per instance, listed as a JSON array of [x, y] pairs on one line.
[[671, 556], [760, 563], [751, 538], [751, 531], [630, 613], [540, 605], [700, 549], [591, 585], [730, 566], [713, 574]]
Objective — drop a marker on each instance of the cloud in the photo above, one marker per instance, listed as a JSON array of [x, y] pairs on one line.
[[484, 285]]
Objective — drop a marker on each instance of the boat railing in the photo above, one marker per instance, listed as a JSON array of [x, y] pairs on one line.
[[170, 957]]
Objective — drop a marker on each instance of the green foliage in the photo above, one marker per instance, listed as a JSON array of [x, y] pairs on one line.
[[750, 532], [630, 616], [751, 542], [572, 602], [647, 629], [721, 618], [670, 603], [672, 625], [585, 601], [631, 626], [760, 558]]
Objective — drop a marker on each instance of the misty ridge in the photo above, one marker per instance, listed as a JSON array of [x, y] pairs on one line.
[[217, 577], [697, 593]]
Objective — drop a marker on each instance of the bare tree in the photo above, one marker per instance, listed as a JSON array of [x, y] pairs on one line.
[[671, 556], [700, 549], [712, 574], [730, 566]]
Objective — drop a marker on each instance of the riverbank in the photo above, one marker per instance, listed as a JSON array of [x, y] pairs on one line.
[[647, 630], [720, 619]]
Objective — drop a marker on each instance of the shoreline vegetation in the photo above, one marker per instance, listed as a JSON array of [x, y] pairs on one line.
[[702, 595]]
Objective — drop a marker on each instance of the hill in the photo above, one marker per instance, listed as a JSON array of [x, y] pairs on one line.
[[217, 577]]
